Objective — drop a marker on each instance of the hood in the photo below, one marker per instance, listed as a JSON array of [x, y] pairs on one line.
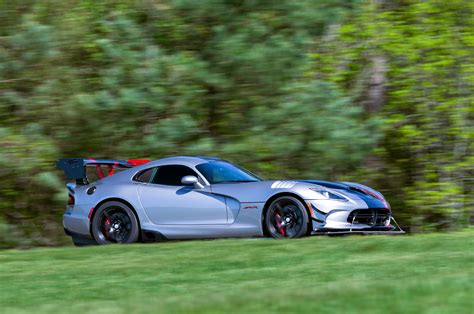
[[261, 191], [373, 198]]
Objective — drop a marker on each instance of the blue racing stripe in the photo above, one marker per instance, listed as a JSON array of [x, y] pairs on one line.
[[371, 201]]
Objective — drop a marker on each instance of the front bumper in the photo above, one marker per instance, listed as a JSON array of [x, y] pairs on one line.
[[388, 230], [353, 221]]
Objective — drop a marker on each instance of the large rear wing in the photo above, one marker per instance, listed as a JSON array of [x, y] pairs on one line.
[[75, 168]]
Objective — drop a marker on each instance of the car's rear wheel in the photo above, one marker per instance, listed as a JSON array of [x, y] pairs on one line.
[[286, 217], [115, 222]]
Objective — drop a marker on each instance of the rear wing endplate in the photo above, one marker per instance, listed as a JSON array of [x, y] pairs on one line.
[[75, 168]]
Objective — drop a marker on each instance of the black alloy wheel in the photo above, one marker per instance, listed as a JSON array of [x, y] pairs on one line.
[[286, 218], [114, 222]]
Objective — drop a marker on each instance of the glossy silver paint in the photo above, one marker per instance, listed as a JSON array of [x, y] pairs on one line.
[[217, 210]]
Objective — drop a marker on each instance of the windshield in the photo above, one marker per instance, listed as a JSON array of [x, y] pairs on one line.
[[224, 172]]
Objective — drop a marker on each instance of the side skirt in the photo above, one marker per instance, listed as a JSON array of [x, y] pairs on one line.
[[152, 236]]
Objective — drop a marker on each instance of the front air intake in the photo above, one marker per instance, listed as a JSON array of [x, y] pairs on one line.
[[371, 216]]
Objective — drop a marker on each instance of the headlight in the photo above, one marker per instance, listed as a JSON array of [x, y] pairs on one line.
[[326, 195]]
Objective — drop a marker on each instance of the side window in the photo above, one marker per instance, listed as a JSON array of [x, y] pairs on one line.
[[172, 175], [145, 175]]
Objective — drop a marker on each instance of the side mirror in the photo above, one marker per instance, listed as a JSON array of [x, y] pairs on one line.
[[191, 180]]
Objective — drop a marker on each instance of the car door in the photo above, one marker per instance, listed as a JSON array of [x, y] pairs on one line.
[[167, 201]]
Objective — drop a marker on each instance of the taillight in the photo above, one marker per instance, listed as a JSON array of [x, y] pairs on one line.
[[70, 200]]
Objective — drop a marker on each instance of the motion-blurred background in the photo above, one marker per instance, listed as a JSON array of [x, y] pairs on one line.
[[379, 92]]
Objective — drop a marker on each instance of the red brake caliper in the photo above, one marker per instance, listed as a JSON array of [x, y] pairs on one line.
[[106, 227], [280, 228]]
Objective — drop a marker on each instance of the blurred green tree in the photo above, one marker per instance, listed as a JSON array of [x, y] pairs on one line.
[[418, 57], [380, 93], [154, 78]]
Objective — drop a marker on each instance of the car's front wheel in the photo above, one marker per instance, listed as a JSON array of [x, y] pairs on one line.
[[115, 222], [286, 217]]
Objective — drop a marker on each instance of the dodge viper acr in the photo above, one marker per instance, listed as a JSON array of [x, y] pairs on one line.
[[201, 197]]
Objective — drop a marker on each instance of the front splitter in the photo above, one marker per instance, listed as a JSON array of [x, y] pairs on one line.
[[343, 232]]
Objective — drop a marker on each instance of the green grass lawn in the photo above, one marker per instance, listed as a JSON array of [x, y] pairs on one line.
[[403, 274]]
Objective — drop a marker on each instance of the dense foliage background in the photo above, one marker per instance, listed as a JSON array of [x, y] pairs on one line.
[[377, 92]]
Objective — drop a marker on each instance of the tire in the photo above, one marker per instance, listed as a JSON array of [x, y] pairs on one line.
[[286, 217], [115, 222]]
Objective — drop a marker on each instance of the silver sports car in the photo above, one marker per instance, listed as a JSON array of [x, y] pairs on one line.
[[201, 197]]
